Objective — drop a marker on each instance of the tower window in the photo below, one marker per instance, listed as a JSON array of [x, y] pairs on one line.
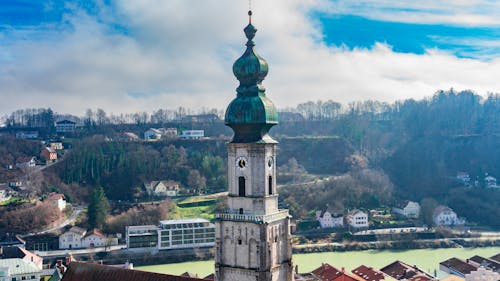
[[239, 242], [270, 184], [241, 211], [241, 186]]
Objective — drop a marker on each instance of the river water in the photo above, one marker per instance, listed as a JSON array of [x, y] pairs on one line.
[[426, 259]]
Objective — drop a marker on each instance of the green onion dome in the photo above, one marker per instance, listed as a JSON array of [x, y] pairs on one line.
[[251, 114]]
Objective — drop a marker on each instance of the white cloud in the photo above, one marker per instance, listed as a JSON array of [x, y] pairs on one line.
[[180, 53]]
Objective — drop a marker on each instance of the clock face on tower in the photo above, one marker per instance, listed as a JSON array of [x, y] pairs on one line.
[[241, 162]]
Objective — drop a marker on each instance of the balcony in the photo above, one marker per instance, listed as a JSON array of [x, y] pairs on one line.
[[253, 218]]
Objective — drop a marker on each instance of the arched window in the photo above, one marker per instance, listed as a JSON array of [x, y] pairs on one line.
[[241, 211], [270, 185], [241, 186]]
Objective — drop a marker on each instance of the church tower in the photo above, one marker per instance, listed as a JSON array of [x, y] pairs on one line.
[[253, 240]]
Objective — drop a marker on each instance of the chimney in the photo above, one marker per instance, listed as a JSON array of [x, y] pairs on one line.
[[68, 260], [343, 270], [296, 269], [59, 262], [100, 262]]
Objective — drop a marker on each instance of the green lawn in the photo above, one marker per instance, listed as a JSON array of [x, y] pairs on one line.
[[206, 212], [426, 259]]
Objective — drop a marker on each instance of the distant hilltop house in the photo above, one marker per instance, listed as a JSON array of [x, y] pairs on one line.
[[27, 135], [29, 161], [464, 178], [357, 219], [77, 237], [192, 134], [445, 216], [127, 136], [160, 133], [162, 188], [5, 193], [407, 209], [172, 234], [48, 154], [56, 145], [490, 182], [330, 218], [65, 126], [58, 200]]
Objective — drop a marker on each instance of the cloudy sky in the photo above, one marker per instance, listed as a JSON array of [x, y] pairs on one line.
[[136, 55]]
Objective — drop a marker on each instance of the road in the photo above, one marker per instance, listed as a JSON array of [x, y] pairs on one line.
[[76, 212], [79, 251]]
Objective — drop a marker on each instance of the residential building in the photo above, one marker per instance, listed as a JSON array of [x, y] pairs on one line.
[[330, 218], [27, 135], [496, 258], [162, 188], [29, 161], [457, 267], [78, 271], [357, 219], [444, 216], [58, 200], [18, 252], [18, 269], [366, 273], [65, 126], [482, 274], [95, 238], [192, 134], [72, 239], [49, 154], [402, 271], [172, 234], [407, 209], [489, 264]]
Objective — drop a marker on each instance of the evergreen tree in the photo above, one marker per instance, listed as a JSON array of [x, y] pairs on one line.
[[98, 208]]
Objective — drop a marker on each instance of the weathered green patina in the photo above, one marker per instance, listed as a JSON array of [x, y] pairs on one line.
[[251, 114]]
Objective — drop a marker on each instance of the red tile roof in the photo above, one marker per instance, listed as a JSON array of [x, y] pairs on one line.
[[458, 265], [78, 271], [400, 270], [368, 273], [326, 272]]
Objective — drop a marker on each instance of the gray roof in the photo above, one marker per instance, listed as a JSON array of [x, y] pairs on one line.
[[19, 266]]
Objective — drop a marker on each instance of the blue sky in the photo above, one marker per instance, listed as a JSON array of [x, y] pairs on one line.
[[135, 55]]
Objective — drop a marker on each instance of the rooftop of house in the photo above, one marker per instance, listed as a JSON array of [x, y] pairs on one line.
[[487, 263], [400, 270], [368, 273], [459, 265], [356, 212], [49, 149], [496, 257], [55, 196], [440, 209], [77, 230], [180, 221], [65, 121], [19, 266], [78, 271], [18, 253], [96, 233], [326, 272]]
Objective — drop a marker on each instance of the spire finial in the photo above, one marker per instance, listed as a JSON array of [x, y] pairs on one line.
[[250, 11]]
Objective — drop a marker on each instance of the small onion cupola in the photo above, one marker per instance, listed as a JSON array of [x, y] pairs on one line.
[[251, 114]]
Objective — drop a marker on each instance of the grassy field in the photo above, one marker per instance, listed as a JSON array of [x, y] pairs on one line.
[[206, 212], [426, 259]]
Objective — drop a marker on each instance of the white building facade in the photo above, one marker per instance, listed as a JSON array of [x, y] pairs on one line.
[[408, 209], [357, 219], [329, 219], [18, 270], [445, 216], [172, 234], [482, 274]]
